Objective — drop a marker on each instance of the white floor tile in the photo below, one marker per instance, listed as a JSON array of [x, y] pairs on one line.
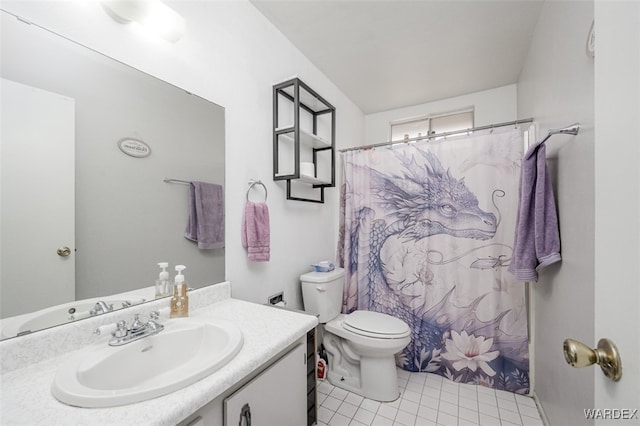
[[427, 400], [505, 395], [420, 421], [387, 411], [528, 411], [510, 416], [531, 421], [471, 404], [405, 418], [468, 415], [449, 397], [370, 405], [347, 409], [447, 407], [445, 419], [418, 378], [403, 374], [354, 399], [332, 403], [486, 420], [324, 414], [339, 420], [525, 400], [325, 388], [412, 396], [431, 393], [364, 416], [487, 399], [430, 402], [394, 404], [469, 393], [414, 387], [428, 413], [338, 393], [505, 404], [491, 410], [381, 421]]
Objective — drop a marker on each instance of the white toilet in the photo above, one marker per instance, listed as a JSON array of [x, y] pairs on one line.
[[361, 345]]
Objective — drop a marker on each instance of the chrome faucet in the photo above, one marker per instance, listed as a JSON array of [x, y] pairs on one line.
[[100, 308], [138, 330]]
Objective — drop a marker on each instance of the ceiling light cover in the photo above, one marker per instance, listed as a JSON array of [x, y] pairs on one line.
[[153, 15]]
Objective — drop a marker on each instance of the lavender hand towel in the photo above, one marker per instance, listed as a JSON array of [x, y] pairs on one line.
[[206, 215], [537, 240], [255, 233]]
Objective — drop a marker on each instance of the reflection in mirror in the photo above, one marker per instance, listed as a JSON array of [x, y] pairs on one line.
[[65, 110]]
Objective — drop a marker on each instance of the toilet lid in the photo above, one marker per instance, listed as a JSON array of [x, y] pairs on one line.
[[370, 323]]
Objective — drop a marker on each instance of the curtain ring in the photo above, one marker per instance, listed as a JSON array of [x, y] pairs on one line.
[[253, 182]]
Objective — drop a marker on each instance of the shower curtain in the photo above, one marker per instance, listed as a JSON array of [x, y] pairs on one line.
[[426, 235]]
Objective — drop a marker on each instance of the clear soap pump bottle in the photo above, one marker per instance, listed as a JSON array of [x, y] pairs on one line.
[[180, 300], [163, 285]]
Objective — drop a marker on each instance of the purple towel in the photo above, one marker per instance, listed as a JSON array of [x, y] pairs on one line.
[[206, 215], [537, 240], [256, 235]]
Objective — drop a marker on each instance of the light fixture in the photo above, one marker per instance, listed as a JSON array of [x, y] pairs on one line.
[[155, 16]]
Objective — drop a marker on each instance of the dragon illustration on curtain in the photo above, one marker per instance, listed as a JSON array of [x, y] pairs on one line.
[[408, 240]]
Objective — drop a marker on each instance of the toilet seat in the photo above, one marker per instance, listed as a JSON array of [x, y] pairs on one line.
[[376, 325]]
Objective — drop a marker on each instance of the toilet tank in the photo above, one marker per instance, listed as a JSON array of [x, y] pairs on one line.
[[322, 293]]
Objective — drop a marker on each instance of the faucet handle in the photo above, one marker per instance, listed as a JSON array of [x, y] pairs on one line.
[[121, 329], [153, 323], [137, 325]]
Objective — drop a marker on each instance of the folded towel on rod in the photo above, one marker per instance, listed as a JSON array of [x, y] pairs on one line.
[[255, 232], [205, 224], [537, 239]]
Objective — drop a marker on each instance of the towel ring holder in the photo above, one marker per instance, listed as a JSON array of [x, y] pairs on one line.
[[252, 183]]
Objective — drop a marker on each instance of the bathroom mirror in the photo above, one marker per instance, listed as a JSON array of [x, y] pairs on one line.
[[129, 131]]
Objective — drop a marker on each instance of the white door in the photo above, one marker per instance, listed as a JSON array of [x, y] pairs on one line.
[[617, 198], [37, 211]]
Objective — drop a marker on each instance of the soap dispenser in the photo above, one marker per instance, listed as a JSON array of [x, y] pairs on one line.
[[180, 300], [163, 285]]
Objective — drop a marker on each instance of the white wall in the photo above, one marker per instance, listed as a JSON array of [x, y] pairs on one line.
[[230, 55], [490, 107], [557, 88]]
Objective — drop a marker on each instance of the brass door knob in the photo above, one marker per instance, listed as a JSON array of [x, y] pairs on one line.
[[606, 355], [64, 251]]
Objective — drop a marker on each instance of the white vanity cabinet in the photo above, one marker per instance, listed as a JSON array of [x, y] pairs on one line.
[[275, 396]]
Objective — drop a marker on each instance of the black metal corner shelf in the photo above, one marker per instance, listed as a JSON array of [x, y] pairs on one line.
[[304, 103]]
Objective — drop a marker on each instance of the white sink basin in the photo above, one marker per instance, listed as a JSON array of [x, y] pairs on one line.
[[186, 351]]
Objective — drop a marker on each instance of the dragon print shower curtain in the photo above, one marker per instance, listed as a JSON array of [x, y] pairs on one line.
[[426, 235]]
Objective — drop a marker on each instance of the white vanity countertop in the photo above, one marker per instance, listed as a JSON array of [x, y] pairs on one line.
[[25, 396]]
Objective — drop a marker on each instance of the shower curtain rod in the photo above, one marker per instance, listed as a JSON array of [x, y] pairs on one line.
[[443, 134]]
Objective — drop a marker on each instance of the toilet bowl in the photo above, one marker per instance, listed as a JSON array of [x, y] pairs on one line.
[[361, 345]]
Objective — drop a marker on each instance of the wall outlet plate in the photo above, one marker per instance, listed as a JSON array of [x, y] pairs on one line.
[[276, 298]]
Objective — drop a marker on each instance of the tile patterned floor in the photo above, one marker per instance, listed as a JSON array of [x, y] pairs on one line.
[[426, 400]]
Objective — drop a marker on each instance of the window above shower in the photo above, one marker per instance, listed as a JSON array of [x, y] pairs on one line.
[[432, 124]]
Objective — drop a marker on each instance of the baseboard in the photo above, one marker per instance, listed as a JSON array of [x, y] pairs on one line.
[[543, 415]]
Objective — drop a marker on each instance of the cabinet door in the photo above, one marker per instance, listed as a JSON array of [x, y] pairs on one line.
[[278, 396]]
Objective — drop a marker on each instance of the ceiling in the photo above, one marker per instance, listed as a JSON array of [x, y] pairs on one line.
[[395, 53]]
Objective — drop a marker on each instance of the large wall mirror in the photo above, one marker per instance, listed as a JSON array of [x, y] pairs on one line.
[[68, 180]]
